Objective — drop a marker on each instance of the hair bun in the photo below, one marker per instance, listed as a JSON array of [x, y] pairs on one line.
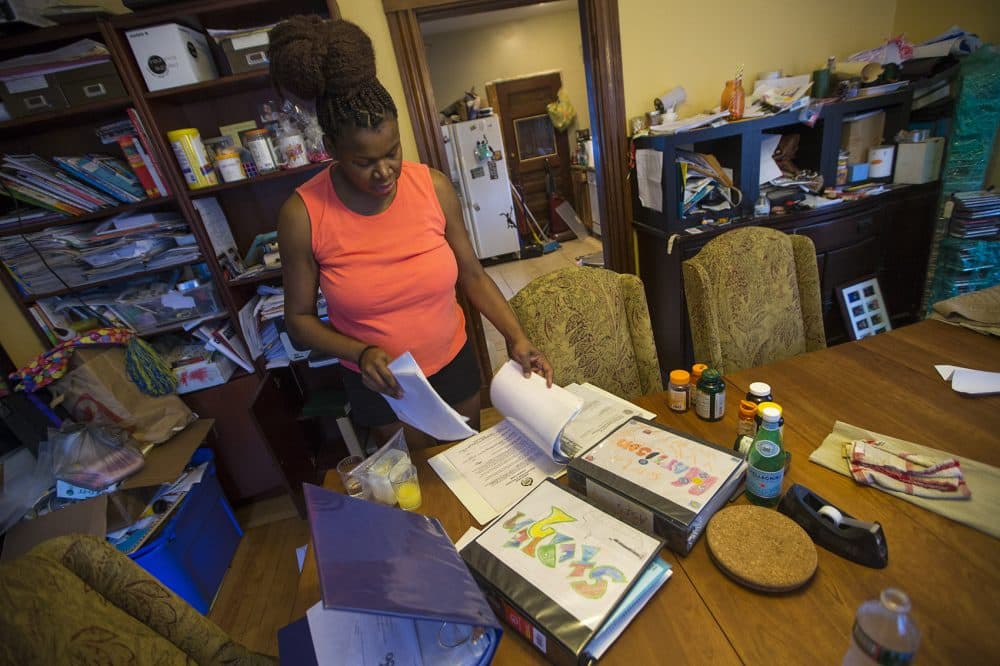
[[310, 55]]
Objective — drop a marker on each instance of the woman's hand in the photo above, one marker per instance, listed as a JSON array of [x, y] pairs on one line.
[[375, 372], [531, 360]]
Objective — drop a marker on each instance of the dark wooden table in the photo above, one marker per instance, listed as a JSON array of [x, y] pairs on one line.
[[887, 384]]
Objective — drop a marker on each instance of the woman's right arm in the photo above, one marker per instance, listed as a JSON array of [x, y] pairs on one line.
[[300, 276]]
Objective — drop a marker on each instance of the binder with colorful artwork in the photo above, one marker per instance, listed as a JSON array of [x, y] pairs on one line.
[[564, 574], [390, 580], [658, 479]]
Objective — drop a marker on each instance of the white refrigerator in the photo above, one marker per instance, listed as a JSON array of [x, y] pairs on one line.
[[476, 161]]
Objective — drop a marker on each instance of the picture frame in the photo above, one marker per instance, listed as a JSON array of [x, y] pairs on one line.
[[863, 308]]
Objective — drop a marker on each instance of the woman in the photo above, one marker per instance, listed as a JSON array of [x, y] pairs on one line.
[[382, 238]]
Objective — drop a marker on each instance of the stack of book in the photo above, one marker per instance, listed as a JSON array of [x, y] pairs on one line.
[[975, 215], [38, 183], [130, 135]]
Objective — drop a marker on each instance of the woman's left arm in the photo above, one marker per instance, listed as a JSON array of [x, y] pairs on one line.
[[479, 287]]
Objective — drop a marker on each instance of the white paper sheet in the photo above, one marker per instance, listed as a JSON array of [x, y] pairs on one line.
[[341, 637], [768, 167], [469, 535], [601, 413], [538, 411], [649, 172], [421, 406], [493, 469], [967, 380]]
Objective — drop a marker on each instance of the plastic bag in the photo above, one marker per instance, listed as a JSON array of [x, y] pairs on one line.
[[93, 456], [25, 480], [561, 111], [374, 471]]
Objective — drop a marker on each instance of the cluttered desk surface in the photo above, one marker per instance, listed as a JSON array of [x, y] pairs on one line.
[[886, 384]]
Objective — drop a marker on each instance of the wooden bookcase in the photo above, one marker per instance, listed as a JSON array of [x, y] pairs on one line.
[[248, 465], [888, 235]]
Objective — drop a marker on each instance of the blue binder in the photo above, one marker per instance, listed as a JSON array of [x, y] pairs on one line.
[[384, 561]]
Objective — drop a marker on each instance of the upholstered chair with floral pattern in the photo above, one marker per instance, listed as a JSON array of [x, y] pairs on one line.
[[77, 600], [753, 297], [593, 326]]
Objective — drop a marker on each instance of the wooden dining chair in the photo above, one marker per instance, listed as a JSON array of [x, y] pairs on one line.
[[753, 297], [593, 326]]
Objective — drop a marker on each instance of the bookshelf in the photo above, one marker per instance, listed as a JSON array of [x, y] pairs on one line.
[[248, 466]]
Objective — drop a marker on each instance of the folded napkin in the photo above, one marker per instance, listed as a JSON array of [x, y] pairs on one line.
[[877, 463], [982, 511], [979, 310]]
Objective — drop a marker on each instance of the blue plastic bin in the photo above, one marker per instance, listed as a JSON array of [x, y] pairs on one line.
[[194, 549]]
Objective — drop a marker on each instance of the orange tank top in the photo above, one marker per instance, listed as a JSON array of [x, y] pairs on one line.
[[389, 278]]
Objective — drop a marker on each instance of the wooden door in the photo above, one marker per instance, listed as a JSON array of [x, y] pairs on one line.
[[530, 140]]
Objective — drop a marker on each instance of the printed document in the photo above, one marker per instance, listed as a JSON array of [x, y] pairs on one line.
[[544, 428], [421, 406]]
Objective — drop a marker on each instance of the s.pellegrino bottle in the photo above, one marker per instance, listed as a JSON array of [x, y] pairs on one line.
[[766, 461], [884, 632]]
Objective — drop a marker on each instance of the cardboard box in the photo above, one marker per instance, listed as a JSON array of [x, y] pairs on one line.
[[29, 95], [92, 83], [210, 370], [918, 162], [171, 55], [164, 463], [857, 136], [246, 51]]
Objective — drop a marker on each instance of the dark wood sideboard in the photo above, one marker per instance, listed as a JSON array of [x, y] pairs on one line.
[[887, 235]]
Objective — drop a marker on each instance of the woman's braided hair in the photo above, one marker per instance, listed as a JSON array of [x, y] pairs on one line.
[[332, 62]]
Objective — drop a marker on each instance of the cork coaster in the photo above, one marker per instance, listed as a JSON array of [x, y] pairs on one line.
[[761, 548]]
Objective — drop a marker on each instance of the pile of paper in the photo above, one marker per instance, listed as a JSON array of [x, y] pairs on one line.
[[262, 320], [707, 185], [75, 255]]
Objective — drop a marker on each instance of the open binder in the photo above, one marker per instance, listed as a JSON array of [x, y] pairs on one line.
[[390, 580]]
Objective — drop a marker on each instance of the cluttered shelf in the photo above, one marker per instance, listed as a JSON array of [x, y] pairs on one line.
[[119, 278], [220, 87], [74, 115], [279, 173], [14, 228], [256, 277]]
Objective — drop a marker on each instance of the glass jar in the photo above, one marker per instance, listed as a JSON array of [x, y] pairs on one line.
[[678, 390], [710, 401], [759, 392], [258, 143]]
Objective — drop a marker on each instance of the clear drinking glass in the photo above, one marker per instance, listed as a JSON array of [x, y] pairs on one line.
[[353, 486], [406, 486]]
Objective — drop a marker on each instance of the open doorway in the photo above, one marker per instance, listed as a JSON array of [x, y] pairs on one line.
[[601, 39], [514, 62]]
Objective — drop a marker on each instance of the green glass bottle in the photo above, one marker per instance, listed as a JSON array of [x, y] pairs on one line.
[[766, 469]]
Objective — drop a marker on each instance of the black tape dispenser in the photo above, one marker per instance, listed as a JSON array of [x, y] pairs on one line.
[[835, 530]]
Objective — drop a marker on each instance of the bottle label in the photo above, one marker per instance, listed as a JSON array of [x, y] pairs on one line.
[[764, 483], [677, 400], [879, 653], [767, 449], [710, 406]]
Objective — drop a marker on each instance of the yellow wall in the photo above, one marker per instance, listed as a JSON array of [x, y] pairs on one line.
[[923, 19], [548, 42], [699, 45]]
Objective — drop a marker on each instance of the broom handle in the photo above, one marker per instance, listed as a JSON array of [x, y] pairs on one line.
[[537, 229]]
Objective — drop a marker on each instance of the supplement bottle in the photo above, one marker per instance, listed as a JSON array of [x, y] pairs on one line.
[[678, 389], [710, 401]]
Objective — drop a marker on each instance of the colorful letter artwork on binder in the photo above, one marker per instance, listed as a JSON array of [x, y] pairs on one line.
[[669, 464], [573, 552]]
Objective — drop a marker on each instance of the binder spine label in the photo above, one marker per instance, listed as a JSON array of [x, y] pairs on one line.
[[522, 626], [622, 508]]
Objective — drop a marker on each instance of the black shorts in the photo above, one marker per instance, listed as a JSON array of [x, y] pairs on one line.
[[455, 382]]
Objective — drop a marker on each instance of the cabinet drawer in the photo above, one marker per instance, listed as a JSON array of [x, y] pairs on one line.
[[849, 264], [842, 232]]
